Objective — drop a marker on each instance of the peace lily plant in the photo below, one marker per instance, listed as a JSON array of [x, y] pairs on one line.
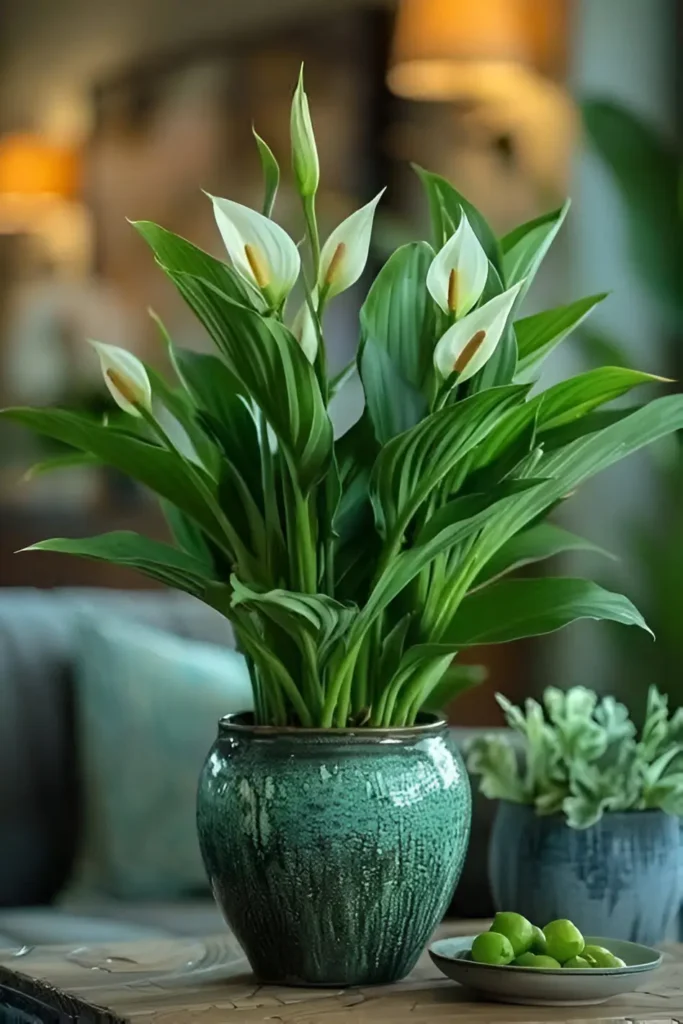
[[356, 569]]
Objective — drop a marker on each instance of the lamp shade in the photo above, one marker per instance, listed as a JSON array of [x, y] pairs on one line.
[[438, 43], [33, 167]]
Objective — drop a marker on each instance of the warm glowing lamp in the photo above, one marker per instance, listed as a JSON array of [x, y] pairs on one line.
[[32, 168], [443, 47]]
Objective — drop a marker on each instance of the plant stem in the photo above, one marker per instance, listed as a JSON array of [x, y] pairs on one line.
[[312, 685], [272, 516], [312, 231], [300, 543], [417, 690], [334, 700]]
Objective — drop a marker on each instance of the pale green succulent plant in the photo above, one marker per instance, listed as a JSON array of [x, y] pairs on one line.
[[582, 756]]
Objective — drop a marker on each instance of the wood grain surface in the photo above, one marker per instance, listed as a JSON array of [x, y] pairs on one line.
[[207, 981]]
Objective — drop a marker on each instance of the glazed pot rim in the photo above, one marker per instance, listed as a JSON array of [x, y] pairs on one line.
[[636, 811], [432, 724]]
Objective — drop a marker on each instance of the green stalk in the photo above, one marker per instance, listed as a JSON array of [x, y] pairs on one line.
[[312, 231], [360, 679], [272, 515], [312, 685], [300, 543], [335, 700], [287, 685], [422, 683]]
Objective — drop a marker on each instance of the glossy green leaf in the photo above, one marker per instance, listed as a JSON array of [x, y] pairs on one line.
[[563, 403], [269, 364], [271, 173], [569, 466], [456, 680], [513, 609], [223, 411], [393, 404], [411, 465], [191, 538], [398, 334], [321, 616], [533, 545], [444, 199], [71, 460], [178, 403], [177, 255], [160, 470], [399, 314], [525, 248], [160, 561], [408, 564], [539, 334], [646, 165]]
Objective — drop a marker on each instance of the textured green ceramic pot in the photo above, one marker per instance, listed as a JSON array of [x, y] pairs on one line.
[[333, 854]]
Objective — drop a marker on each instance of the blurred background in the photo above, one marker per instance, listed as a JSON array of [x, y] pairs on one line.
[[128, 110]]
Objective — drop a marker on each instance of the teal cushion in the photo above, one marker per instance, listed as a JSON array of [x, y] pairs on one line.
[[148, 706]]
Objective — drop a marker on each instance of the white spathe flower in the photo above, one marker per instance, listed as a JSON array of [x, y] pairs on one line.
[[125, 377], [345, 252], [303, 329], [470, 342], [457, 275], [260, 250]]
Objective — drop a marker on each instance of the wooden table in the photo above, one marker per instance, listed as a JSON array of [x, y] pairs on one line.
[[207, 981]]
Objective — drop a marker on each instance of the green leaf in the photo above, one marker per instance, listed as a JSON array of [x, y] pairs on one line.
[[189, 536], [162, 562], [443, 198], [533, 545], [539, 334], [160, 470], [323, 617], [271, 173], [411, 465], [456, 680], [223, 411], [391, 651], [177, 255], [55, 463], [398, 334], [514, 609], [392, 403], [406, 566], [178, 403], [399, 314], [469, 505], [525, 248], [567, 467], [270, 366], [561, 404], [646, 166]]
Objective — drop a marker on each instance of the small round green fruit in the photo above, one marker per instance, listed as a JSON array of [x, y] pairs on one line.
[[599, 957], [492, 948], [538, 961], [516, 928], [538, 943], [563, 940], [577, 963]]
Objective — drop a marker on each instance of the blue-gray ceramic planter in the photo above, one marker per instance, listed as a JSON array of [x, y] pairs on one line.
[[333, 854], [618, 878]]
